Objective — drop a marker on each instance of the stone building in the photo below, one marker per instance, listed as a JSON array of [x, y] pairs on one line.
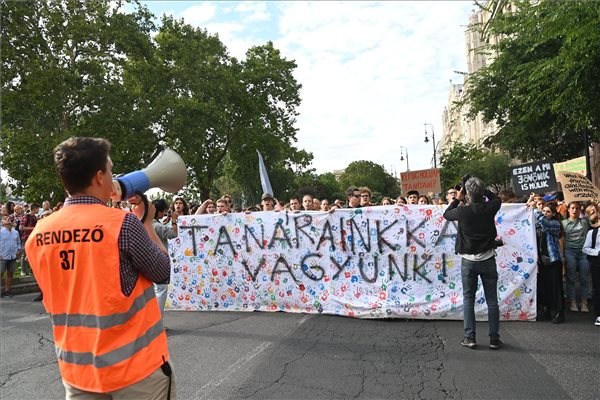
[[457, 128]]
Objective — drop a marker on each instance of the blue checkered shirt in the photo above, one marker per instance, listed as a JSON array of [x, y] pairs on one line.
[[551, 229]]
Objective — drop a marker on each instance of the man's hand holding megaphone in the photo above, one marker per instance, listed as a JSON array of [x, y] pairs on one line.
[[141, 208]]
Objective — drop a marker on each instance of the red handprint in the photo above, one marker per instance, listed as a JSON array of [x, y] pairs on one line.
[[358, 292], [454, 297]]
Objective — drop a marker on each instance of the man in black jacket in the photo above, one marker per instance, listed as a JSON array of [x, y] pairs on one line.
[[475, 243]]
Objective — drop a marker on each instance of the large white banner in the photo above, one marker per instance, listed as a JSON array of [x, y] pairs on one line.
[[375, 262]]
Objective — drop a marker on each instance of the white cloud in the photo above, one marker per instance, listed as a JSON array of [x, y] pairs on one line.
[[372, 75], [229, 34], [254, 11], [199, 14], [372, 72]]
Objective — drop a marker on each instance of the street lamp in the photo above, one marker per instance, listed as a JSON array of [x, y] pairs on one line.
[[404, 152], [433, 140]]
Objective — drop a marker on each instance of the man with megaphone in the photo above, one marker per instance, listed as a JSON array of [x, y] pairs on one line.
[[95, 266]]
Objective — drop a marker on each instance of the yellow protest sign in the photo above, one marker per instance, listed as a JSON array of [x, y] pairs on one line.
[[575, 165]]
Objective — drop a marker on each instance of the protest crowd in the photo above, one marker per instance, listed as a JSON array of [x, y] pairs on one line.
[[568, 269], [568, 252]]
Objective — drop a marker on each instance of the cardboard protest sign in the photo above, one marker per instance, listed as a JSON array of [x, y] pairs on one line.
[[577, 187], [373, 262], [425, 180], [535, 177]]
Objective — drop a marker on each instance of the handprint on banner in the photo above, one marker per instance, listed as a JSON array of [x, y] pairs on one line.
[[374, 305], [358, 292], [454, 298]]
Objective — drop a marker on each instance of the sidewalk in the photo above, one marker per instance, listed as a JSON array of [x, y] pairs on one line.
[[22, 285]]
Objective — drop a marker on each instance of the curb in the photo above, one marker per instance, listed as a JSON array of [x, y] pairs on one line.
[[22, 285]]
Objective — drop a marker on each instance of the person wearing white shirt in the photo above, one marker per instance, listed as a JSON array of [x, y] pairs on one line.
[[10, 249], [591, 247]]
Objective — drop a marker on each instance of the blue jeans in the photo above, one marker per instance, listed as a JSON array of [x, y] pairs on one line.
[[471, 271], [576, 260]]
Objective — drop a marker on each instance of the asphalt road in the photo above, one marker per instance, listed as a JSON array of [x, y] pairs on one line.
[[225, 355]]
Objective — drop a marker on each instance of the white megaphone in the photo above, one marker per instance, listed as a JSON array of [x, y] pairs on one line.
[[166, 171]]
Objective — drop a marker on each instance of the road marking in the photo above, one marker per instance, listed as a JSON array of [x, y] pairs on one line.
[[236, 366], [30, 318]]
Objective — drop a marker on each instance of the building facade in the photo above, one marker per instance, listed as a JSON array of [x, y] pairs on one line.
[[457, 128]]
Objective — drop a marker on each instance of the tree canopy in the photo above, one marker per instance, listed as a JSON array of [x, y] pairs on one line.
[[493, 168], [371, 175], [81, 68], [62, 65], [543, 86]]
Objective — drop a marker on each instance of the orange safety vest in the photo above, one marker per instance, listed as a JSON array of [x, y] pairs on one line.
[[104, 340]]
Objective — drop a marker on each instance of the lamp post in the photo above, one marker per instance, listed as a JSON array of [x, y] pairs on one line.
[[403, 153], [433, 140]]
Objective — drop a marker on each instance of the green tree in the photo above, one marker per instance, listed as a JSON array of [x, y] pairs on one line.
[[323, 186], [62, 65], [543, 87], [80, 68], [272, 96], [3, 192], [211, 106], [371, 175], [461, 159]]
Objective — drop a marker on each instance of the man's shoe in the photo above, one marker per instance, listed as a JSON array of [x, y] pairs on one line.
[[558, 318], [543, 315], [495, 344], [597, 323], [7, 293], [39, 298], [584, 306], [469, 342]]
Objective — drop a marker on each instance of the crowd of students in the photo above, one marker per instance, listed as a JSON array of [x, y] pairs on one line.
[[568, 248]]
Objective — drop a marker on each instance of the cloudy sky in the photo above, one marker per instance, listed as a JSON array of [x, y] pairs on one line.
[[372, 73]]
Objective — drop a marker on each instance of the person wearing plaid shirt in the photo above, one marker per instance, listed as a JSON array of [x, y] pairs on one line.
[[551, 300]]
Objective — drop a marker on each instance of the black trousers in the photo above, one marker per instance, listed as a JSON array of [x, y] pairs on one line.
[[550, 287], [595, 270]]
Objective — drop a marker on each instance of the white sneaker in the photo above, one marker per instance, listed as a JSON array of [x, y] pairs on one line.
[[584, 307], [573, 306], [597, 323]]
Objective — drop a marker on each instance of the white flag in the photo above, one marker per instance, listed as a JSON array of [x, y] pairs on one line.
[[264, 177]]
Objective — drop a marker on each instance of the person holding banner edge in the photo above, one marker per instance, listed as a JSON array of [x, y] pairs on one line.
[[591, 248], [476, 243], [551, 301]]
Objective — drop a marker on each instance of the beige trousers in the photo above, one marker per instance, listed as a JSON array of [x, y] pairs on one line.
[[154, 387]]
